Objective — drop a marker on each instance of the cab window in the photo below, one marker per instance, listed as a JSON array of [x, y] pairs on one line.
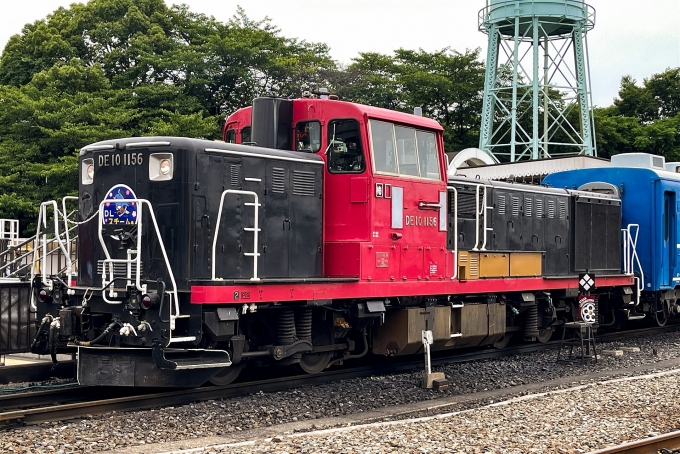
[[231, 136], [344, 152], [308, 136], [404, 151], [245, 135]]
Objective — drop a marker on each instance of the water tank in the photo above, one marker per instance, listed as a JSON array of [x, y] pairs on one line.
[[557, 17]]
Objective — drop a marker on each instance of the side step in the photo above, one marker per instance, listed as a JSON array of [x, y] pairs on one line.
[[105, 366]]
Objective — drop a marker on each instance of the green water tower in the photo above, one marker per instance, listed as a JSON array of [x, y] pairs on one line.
[[537, 96]]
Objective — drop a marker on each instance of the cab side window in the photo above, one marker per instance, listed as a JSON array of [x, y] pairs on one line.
[[344, 152], [308, 136], [231, 136], [245, 134]]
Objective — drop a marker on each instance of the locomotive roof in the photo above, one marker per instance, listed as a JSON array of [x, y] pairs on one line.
[[198, 145], [656, 173], [531, 188], [337, 108]]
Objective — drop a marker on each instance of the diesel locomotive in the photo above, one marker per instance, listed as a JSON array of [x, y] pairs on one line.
[[319, 231]]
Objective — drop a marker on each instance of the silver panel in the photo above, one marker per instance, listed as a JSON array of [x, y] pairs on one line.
[[442, 211], [397, 207]]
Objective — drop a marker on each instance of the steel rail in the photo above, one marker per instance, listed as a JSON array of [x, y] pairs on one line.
[[77, 401], [668, 442]]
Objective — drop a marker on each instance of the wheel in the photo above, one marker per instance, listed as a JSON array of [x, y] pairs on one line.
[[660, 313], [227, 375], [660, 317], [503, 342], [313, 363], [544, 335]]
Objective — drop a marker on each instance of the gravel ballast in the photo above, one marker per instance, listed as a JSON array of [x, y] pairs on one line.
[[210, 422]]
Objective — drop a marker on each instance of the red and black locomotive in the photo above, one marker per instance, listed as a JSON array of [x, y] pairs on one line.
[[317, 232]]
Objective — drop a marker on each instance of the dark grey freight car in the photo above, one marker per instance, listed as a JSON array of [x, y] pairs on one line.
[[577, 231], [186, 201]]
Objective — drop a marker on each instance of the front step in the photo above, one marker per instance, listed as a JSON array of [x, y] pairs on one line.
[[105, 366]]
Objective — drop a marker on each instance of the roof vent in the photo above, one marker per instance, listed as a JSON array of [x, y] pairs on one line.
[[644, 160], [673, 167]]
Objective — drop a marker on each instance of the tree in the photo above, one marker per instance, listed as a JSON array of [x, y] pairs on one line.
[[643, 118], [448, 85]]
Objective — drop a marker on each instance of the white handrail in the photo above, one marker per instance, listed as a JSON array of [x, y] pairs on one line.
[[255, 229], [631, 258], [455, 231], [138, 259]]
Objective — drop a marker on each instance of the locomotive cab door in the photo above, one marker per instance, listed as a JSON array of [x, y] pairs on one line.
[[669, 248]]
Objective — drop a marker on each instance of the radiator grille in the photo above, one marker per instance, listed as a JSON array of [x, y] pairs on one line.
[[119, 269], [304, 183], [528, 206], [466, 204], [551, 209], [278, 180], [539, 208]]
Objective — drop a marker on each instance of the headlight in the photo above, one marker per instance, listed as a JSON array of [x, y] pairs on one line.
[[161, 166], [87, 171], [165, 167]]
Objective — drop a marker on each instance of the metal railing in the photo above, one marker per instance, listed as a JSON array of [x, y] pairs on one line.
[[134, 257], [630, 257]]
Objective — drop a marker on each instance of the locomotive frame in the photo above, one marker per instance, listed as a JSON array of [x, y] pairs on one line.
[[337, 233]]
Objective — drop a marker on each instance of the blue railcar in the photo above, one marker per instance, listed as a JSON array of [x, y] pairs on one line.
[[650, 203]]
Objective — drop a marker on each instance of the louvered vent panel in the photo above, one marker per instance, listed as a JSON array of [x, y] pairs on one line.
[[528, 206], [515, 206], [304, 183], [119, 269], [551, 209], [501, 205], [235, 175], [539, 208], [474, 265], [563, 210], [466, 204], [278, 180]]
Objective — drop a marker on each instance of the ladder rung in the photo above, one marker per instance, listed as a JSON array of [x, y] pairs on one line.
[[252, 204], [251, 229], [251, 254]]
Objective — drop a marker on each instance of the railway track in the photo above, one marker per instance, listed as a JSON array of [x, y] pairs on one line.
[[78, 401], [662, 444]]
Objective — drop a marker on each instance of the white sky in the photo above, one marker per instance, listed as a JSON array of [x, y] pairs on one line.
[[632, 37]]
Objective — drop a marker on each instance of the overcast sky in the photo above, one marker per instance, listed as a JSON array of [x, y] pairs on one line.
[[632, 37]]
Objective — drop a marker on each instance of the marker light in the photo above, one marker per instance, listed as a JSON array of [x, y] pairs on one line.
[[43, 295], [149, 301], [90, 172]]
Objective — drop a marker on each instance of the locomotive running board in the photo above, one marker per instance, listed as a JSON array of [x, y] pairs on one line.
[[105, 366]]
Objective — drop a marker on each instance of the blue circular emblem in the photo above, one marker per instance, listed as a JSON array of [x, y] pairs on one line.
[[118, 209]]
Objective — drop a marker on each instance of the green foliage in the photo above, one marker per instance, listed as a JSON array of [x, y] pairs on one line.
[[116, 68], [448, 86], [643, 118]]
